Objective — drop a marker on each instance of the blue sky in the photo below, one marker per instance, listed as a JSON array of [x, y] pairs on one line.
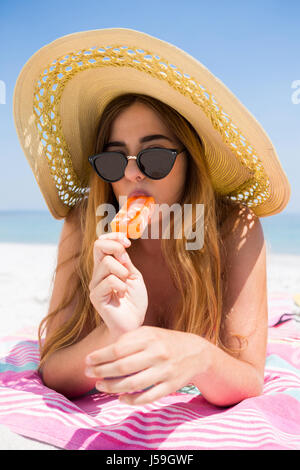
[[252, 46]]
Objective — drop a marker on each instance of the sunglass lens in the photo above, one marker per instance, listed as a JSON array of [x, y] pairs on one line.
[[156, 163], [110, 165]]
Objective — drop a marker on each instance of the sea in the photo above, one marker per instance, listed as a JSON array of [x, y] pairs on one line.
[[282, 231]]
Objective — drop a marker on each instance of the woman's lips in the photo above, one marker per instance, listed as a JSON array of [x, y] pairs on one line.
[[139, 193]]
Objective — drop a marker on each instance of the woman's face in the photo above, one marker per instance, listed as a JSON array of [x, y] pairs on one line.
[[129, 128]]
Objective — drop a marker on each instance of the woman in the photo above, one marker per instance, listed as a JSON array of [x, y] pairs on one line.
[[144, 318]]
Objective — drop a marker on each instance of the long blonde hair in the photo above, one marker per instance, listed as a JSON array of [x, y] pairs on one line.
[[197, 274]]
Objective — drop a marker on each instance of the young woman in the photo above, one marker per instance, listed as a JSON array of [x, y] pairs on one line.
[[143, 318]]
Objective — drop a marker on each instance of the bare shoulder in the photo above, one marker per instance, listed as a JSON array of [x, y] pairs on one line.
[[240, 224], [243, 246], [245, 289], [241, 233]]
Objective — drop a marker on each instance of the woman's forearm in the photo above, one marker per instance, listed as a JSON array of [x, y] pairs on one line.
[[226, 380], [64, 370]]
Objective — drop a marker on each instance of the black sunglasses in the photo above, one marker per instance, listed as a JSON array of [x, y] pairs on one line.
[[156, 163]]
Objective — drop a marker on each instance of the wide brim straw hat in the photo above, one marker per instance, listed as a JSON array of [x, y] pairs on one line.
[[63, 88]]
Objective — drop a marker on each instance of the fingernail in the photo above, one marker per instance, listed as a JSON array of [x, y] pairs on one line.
[[127, 241], [88, 360], [100, 386], [89, 372], [124, 258], [132, 276]]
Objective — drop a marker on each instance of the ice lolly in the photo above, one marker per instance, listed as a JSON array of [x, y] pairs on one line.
[[134, 216]]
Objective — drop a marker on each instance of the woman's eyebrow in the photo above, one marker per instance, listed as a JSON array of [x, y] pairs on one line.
[[147, 138]]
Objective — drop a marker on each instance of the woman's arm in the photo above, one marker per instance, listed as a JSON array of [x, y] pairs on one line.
[[229, 379], [64, 370], [226, 380], [168, 360]]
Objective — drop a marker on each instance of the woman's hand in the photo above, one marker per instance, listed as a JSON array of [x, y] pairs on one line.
[[117, 288], [149, 357]]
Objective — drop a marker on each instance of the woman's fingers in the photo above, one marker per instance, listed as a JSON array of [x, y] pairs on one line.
[[130, 384], [108, 247], [127, 365], [127, 375], [109, 257], [106, 287], [109, 265], [116, 236], [115, 277], [113, 244]]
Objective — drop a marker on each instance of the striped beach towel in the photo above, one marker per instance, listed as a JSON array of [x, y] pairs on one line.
[[183, 420]]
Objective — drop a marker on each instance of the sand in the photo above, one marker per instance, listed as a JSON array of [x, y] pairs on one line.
[[26, 273]]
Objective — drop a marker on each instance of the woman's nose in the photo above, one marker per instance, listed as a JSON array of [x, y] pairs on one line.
[[132, 171]]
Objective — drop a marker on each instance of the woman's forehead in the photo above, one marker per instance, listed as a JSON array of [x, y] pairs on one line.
[[139, 123]]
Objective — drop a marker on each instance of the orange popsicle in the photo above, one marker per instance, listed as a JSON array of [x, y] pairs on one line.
[[134, 216]]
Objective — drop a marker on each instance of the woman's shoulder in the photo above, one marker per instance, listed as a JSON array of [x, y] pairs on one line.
[[238, 221], [241, 236]]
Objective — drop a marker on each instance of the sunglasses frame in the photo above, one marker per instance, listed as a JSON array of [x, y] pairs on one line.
[[175, 153]]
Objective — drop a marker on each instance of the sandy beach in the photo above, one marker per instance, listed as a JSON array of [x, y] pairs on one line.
[[26, 273]]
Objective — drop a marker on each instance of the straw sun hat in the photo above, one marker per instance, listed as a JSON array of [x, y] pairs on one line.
[[63, 88]]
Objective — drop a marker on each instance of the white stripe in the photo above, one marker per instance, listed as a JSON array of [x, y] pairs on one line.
[[68, 419], [194, 443], [202, 435], [211, 440], [80, 417], [213, 427]]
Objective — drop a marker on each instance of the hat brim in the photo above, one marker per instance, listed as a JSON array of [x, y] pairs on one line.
[[58, 134]]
